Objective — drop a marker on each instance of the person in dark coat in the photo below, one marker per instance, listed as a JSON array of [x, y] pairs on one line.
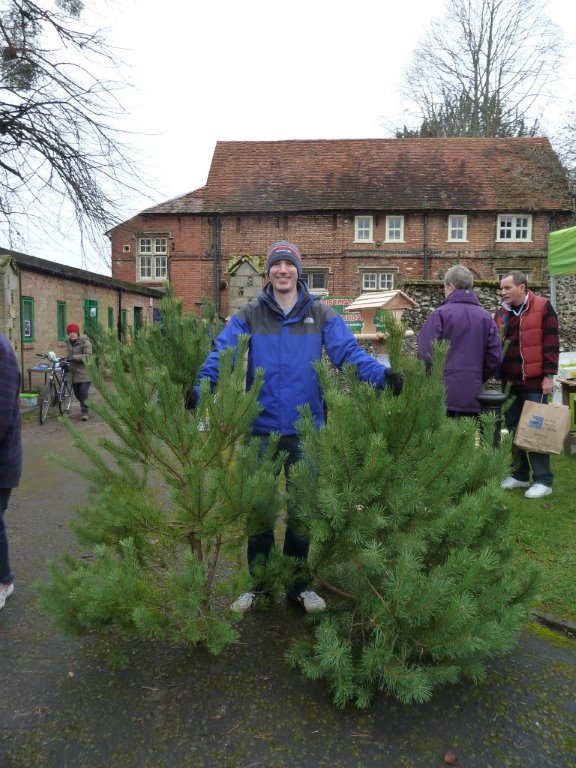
[[475, 352], [10, 453]]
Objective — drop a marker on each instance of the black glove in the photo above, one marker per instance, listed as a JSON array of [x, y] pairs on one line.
[[191, 399], [394, 380]]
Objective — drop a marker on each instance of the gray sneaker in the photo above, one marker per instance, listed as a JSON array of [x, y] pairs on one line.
[[510, 482], [243, 603], [310, 601], [5, 591]]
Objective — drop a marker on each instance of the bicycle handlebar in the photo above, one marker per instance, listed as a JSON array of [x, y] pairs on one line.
[[63, 363], [53, 359]]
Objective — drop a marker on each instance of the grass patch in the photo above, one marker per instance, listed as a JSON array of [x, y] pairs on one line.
[[545, 530]]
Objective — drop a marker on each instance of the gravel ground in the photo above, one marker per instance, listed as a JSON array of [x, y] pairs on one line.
[[64, 705]]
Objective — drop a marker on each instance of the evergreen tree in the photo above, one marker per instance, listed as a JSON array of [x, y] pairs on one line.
[[408, 524], [409, 536], [166, 510]]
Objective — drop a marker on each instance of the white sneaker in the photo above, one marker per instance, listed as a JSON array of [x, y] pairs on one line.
[[311, 602], [5, 591], [538, 491], [244, 602], [510, 482]]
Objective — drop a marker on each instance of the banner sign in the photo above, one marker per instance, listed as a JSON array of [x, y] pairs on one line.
[[352, 319]]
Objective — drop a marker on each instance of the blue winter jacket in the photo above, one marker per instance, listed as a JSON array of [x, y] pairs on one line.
[[286, 348], [475, 352]]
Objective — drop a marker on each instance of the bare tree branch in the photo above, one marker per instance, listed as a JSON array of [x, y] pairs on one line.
[[58, 120], [485, 69]]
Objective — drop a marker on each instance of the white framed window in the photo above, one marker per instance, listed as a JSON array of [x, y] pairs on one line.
[[514, 226], [363, 229], [394, 229], [377, 281], [501, 272], [386, 281], [152, 258], [457, 228], [316, 280], [369, 281]]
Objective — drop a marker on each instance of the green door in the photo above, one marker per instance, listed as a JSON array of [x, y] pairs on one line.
[[137, 320], [90, 315]]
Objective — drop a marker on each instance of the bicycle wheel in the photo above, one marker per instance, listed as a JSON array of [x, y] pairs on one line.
[[65, 399], [47, 399]]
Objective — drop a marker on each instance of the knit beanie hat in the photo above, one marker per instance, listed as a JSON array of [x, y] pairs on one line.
[[283, 250], [73, 328]]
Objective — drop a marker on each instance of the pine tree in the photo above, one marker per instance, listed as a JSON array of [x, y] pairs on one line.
[[409, 541], [169, 493], [408, 524]]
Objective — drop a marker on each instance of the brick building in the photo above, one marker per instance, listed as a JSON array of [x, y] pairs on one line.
[[367, 215], [38, 298]]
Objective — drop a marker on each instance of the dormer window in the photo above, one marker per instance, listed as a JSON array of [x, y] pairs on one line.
[[363, 229]]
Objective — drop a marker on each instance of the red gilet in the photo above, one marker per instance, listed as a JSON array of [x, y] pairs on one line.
[[531, 335]]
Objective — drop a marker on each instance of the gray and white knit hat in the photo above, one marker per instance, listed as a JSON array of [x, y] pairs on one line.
[[283, 250]]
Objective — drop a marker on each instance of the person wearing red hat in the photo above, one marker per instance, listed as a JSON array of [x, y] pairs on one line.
[[79, 350]]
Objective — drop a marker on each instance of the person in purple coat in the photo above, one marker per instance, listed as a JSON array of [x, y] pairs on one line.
[[475, 351], [10, 453]]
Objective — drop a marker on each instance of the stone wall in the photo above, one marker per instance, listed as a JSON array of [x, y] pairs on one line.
[[566, 308], [429, 294]]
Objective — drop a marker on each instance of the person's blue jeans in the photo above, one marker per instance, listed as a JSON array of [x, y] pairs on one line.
[[81, 391], [522, 461], [6, 576], [295, 543]]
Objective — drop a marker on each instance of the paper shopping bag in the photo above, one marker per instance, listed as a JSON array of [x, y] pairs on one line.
[[542, 427]]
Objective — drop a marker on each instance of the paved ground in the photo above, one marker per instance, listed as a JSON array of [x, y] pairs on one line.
[[64, 706]]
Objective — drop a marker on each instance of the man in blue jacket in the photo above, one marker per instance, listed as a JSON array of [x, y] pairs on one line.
[[475, 351], [10, 453], [289, 328]]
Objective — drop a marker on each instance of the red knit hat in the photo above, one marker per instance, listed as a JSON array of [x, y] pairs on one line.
[[73, 328]]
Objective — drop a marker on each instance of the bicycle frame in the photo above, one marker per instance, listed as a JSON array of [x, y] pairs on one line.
[[58, 389]]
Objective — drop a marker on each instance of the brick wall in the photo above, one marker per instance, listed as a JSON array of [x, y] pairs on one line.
[[326, 242], [189, 248], [46, 291]]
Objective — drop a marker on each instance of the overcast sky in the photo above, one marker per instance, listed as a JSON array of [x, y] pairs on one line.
[[255, 70]]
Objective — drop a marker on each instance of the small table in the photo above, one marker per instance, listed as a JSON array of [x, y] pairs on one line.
[[40, 368]]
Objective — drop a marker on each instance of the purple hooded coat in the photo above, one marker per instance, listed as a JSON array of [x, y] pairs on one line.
[[475, 352]]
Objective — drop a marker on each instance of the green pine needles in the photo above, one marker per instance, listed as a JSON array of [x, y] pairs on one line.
[[409, 542], [169, 493], [408, 524]]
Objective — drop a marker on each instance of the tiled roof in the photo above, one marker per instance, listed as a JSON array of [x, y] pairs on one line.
[[29, 263], [379, 174]]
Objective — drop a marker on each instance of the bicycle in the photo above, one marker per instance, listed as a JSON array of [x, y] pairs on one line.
[[58, 389]]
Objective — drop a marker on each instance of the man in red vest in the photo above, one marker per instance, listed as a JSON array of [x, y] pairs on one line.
[[529, 330]]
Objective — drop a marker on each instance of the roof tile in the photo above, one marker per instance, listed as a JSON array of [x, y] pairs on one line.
[[379, 174]]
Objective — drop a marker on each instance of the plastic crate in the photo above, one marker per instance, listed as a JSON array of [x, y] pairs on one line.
[[28, 399]]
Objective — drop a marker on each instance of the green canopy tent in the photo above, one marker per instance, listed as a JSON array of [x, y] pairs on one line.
[[561, 256]]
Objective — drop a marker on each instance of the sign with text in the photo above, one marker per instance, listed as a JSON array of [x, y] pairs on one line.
[[352, 319]]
